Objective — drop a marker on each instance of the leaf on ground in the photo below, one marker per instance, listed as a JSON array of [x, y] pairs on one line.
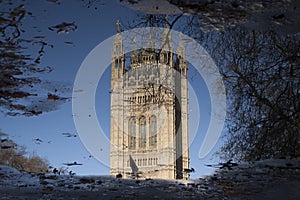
[[54, 1], [64, 27], [56, 97]]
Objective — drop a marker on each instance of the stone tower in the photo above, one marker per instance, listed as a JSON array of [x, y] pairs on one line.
[[149, 111]]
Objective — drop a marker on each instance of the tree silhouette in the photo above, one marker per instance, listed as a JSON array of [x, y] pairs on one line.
[[259, 62], [262, 76], [16, 156]]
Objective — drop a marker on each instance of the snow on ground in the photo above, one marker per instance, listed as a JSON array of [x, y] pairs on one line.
[[260, 180], [12, 177], [268, 179]]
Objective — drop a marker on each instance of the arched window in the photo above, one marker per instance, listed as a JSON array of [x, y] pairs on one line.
[[142, 132], [153, 131], [118, 62], [132, 133], [165, 58]]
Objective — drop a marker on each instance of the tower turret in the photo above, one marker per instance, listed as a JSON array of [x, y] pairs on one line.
[[181, 58], [118, 57], [116, 109], [135, 56], [149, 54], [181, 90], [166, 55]]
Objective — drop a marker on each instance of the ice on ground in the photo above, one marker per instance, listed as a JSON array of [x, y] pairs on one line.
[[12, 177], [256, 180]]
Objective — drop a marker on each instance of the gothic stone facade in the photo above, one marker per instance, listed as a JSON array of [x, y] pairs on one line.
[[149, 112]]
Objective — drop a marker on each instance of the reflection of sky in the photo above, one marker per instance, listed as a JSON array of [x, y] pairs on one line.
[[94, 26]]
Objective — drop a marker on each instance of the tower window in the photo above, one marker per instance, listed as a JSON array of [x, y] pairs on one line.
[[118, 62], [153, 131], [132, 134], [142, 132], [165, 58], [117, 46]]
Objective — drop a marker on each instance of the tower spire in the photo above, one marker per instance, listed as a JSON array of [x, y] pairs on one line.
[[135, 43], [181, 49], [134, 57], [151, 45], [181, 56], [118, 26], [167, 21]]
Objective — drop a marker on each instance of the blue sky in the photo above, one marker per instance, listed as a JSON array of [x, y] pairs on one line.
[[94, 26]]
